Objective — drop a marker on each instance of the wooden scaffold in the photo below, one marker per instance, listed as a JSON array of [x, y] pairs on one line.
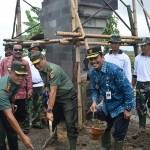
[[77, 38]]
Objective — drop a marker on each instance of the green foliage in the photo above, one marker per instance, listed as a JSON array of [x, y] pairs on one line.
[[111, 28], [33, 20]]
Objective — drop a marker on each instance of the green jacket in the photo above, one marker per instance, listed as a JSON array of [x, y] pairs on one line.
[[54, 75], [7, 90]]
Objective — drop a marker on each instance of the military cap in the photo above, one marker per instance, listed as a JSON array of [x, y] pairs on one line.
[[93, 52], [145, 41], [33, 45], [19, 68], [35, 57], [115, 39]]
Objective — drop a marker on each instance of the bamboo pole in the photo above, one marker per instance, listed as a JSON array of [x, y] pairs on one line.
[[65, 42], [75, 23], [135, 17], [148, 15], [145, 16], [18, 16], [77, 34], [135, 32], [79, 22]]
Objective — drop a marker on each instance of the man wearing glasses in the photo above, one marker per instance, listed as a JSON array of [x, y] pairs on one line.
[[25, 91], [110, 86]]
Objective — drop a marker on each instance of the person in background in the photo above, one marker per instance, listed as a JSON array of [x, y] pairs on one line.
[[110, 86], [8, 124], [62, 100], [118, 57], [8, 50], [141, 79], [37, 95], [25, 91]]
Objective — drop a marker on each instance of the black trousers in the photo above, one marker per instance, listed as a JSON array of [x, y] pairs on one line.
[[7, 131], [66, 108], [119, 123]]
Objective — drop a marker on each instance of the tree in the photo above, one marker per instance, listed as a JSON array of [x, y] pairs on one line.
[[33, 20], [111, 28]]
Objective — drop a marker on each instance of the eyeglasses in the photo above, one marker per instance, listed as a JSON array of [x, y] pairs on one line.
[[16, 50]]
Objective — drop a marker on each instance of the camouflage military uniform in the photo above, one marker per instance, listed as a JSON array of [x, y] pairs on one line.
[[142, 101]]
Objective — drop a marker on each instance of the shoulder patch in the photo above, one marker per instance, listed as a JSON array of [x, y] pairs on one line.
[[8, 87], [51, 75]]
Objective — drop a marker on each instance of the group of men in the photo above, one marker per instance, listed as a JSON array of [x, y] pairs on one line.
[[17, 87], [111, 83]]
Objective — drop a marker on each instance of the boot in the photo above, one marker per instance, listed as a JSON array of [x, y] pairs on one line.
[[118, 145], [142, 121], [73, 143], [106, 141]]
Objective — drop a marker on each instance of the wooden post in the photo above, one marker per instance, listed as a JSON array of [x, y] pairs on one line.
[[74, 8], [75, 11], [145, 14], [136, 47], [18, 15]]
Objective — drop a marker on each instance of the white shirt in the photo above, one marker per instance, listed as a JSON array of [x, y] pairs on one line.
[[122, 60], [36, 77], [142, 68]]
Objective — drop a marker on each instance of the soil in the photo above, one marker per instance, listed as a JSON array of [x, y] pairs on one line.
[[85, 142]]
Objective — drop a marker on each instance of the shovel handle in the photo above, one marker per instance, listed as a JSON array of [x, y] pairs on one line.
[[50, 127]]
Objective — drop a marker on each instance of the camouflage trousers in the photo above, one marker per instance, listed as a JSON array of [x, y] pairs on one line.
[[21, 114], [142, 101], [37, 107]]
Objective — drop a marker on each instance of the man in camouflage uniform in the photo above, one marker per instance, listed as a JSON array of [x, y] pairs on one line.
[[141, 79], [8, 124], [62, 96]]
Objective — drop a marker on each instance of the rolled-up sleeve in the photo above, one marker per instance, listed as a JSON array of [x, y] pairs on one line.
[[4, 101]]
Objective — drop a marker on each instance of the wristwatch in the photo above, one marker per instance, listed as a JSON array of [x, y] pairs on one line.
[[49, 110]]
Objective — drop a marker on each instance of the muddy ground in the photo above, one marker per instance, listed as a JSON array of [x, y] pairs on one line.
[[85, 142]]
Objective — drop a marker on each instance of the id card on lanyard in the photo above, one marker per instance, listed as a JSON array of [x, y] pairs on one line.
[[108, 92], [108, 95]]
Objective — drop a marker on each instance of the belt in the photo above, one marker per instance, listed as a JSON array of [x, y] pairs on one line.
[[37, 82]]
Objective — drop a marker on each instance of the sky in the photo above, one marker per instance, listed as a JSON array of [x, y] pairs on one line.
[[7, 12]]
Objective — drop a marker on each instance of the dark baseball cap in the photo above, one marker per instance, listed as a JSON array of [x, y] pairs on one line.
[[19, 68], [93, 52], [145, 41], [115, 39]]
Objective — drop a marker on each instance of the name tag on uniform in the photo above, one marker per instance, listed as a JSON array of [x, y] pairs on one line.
[[108, 95]]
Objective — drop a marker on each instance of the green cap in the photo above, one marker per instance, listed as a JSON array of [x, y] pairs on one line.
[[35, 57], [145, 41], [19, 68], [115, 39], [93, 52]]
